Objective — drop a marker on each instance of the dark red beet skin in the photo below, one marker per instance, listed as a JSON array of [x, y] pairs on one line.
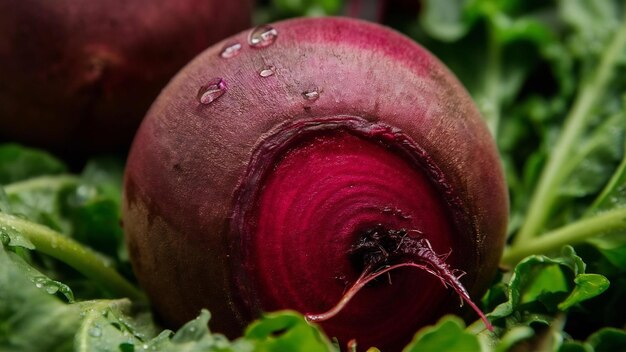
[[326, 150], [80, 74]]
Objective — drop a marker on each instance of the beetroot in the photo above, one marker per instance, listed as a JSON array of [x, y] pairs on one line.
[[328, 154], [82, 74]]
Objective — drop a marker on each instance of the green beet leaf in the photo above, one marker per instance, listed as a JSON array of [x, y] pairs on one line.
[[19, 163], [30, 318], [286, 331], [447, 335], [608, 340], [587, 286], [541, 286]]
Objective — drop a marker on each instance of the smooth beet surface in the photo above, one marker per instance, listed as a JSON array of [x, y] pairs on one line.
[[316, 152], [78, 75]]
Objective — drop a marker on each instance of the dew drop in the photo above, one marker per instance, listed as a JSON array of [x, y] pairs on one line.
[[67, 293], [211, 91], [52, 288], [262, 36], [268, 71], [40, 281], [230, 50], [311, 95], [83, 194], [95, 332]]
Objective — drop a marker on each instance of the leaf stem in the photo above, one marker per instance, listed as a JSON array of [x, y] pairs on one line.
[[573, 233], [79, 257], [554, 173], [42, 182]]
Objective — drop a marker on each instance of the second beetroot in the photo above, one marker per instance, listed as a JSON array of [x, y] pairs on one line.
[[78, 76]]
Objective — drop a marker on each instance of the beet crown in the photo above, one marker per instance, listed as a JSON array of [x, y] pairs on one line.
[[321, 150]]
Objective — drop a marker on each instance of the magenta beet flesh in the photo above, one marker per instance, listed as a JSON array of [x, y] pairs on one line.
[[313, 207], [275, 178]]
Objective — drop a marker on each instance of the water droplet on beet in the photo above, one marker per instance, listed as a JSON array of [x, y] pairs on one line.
[[311, 95], [262, 36], [230, 50], [210, 92], [268, 71]]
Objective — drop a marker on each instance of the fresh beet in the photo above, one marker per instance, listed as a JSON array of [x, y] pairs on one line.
[[80, 74], [329, 156]]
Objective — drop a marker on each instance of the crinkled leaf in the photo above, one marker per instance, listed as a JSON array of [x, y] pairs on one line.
[[94, 217], [94, 209], [41, 207], [545, 283], [38, 199], [19, 163], [539, 284], [587, 286], [111, 326], [447, 335], [33, 319], [194, 336], [286, 331], [87, 207], [12, 238], [41, 281], [30, 318]]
